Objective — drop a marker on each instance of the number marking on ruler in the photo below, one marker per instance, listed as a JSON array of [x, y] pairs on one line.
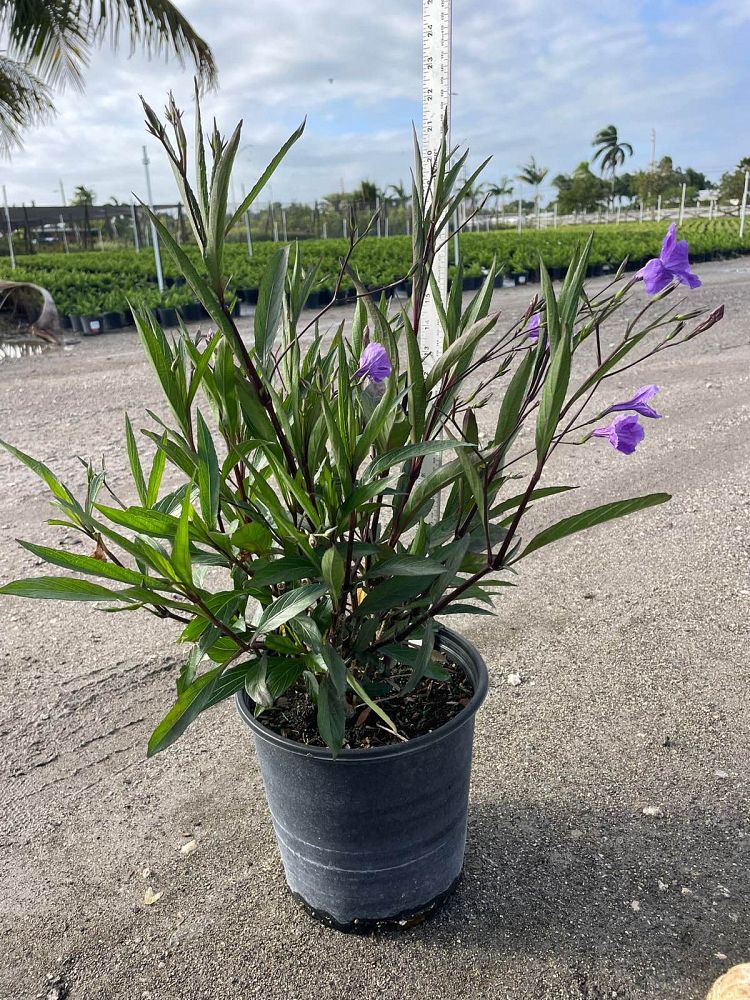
[[436, 99]]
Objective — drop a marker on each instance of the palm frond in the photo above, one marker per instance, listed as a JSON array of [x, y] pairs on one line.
[[154, 26], [54, 37], [24, 101], [50, 36]]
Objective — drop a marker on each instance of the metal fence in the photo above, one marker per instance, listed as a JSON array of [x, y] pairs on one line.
[[34, 229]]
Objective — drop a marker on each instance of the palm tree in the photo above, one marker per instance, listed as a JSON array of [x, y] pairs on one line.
[[534, 175], [47, 45], [83, 195], [398, 194], [498, 191], [610, 152]]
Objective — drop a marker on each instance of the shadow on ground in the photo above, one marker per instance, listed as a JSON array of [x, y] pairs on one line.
[[669, 894]]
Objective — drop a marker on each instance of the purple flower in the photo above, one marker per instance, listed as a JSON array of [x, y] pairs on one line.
[[639, 402], [532, 330], [671, 263], [374, 363], [624, 433]]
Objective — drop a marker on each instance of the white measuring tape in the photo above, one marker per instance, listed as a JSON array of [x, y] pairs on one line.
[[436, 101]]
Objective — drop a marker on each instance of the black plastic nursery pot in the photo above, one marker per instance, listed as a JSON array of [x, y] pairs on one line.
[[167, 316], [91, 326], [75, 322], [190, 312], [376, 837], [111, 321]]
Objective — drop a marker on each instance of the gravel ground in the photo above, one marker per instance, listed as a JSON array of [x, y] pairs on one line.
[[631, 642]]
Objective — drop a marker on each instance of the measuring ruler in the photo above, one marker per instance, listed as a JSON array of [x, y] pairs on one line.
[[436, 102]]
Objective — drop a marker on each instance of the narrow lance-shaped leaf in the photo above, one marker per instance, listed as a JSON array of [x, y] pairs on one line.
[[208, 473], [270, 304], [333, 570], [188, 706], [354, 684], [417, 390], [331, 715], [60, 588], [265, 177], [135, 462], [590, 518], [510, 408], [461, 350], [91, 566], [59, 490], [554, 391], [289, 605], [157, 472], [423, 658], [181, 546]]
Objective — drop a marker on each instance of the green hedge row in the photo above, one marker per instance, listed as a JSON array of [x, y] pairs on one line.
[[96, 282]]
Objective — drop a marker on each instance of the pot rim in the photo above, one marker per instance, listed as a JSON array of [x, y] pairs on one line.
[[467, 656]]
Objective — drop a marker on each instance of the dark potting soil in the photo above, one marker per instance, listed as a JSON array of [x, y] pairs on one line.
[[429, 706]]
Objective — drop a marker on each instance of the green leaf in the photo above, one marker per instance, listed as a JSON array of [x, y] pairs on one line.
[[334, 665], [255, 683], [417, 390], [552, 318], [135, 462], [466, 609], [208, 473], [181, 546], [553, 395], [60, 588], [364, 492], [570, 293], [426, 488], [392, 593], [461, 350], [375, 424], [424, 656], [513, 502], [188, 706], [333, 570], [282, 672], [354, 684], [289, 605], [253, 537], [217, 204], [331, 715], [406, 566], [154, 523], [264, 177], [400, 455], [287, 569], [270, 304], [590, 518], [513, 398], [229, 683], [157, 471], [60, 491], [93, 567]]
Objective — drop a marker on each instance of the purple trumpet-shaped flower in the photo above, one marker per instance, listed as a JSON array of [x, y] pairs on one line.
[[374, 363], [624, 433], [532, 329], [639, 402], [671, 263]]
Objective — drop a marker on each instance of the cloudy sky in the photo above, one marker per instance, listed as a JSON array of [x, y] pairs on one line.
[[530, 76]]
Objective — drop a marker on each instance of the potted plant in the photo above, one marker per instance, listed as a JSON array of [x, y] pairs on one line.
[[331, 500]]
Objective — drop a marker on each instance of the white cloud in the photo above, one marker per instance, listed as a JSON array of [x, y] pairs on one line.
[[538, 77]]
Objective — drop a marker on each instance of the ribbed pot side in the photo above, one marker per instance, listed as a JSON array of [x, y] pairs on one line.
[[374, 836]]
